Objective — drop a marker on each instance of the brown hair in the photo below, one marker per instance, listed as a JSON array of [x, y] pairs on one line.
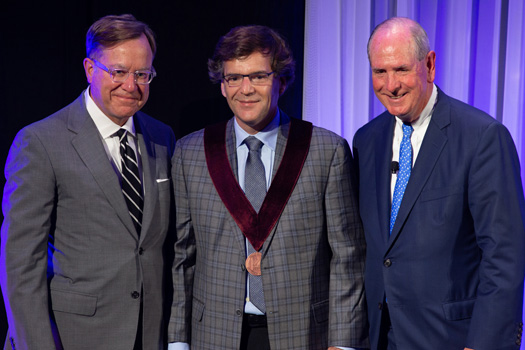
[[242, 41], [111, 30]]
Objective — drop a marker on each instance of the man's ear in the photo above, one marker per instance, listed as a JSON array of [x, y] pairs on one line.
[[283, 86], [223, 89], [89, 68], [431, 66]]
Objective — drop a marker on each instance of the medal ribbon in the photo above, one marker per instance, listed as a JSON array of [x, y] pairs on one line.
[[257, 227]]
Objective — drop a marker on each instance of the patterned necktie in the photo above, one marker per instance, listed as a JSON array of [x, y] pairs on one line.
[[131, 184], [405, 167], [255, 191]]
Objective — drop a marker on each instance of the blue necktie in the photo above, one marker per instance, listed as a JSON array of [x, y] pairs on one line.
[[255, 190], [405, 167]]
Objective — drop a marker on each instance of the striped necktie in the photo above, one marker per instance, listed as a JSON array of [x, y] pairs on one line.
[[131, 184]]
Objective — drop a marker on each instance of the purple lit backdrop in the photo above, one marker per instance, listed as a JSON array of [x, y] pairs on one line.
[[479, 44]]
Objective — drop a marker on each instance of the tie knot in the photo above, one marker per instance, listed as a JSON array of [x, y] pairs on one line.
[[407, 130], [253, 143], [121, 134]]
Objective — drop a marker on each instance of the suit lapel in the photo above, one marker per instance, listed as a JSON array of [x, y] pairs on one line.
[[88, 144], [231, 148], [148, 157], [282, 138], [383, 161], [432, 146], [231, 151]]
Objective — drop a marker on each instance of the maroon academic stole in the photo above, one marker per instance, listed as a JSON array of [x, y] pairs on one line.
[[257, 227]]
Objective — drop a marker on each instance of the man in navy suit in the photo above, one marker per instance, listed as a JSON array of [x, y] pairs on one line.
[[448, 273]]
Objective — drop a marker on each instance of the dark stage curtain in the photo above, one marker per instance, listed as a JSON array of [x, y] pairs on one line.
[[42, 48]]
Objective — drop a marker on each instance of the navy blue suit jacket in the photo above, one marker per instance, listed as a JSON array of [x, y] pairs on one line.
[[452, 269]]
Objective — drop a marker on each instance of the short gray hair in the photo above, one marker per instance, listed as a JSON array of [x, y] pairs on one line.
[[419, 36]]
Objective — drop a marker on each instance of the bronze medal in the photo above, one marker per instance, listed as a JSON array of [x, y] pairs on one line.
[[253, 263]]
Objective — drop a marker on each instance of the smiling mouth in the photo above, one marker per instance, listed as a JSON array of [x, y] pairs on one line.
[[397, 97], [127, 98], [247, 102]]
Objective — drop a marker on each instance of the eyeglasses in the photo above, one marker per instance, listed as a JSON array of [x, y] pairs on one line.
[[234, 80], [118, 75]]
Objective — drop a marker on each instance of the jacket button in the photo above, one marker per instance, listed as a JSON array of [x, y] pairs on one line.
[[243, 268], [380, 306], [141, 251], [238, 312], [135, 294], [387, 263]]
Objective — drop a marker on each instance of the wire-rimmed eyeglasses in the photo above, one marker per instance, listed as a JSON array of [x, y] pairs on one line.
[[259, 78], [119, 75]]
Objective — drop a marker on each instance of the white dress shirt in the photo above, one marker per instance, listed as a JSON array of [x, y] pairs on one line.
[[107, 129], [420, 126]]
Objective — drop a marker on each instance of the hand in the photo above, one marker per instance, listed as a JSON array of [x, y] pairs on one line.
[[468, 349]]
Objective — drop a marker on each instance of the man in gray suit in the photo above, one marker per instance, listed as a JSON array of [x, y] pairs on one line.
[[281, 269], [87, 205]]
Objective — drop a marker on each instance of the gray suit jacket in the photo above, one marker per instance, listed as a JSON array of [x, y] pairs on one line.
[[313, 260], [73, 268]]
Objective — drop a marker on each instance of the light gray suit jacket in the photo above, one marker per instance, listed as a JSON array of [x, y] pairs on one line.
[[313, 260], [73, 268]]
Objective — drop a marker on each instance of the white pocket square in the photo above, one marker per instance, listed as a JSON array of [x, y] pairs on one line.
[[162, 180]]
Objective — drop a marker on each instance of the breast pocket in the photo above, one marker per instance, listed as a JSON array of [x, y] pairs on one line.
[[442, 206], [307, 203], [303, 213], [163, 185], [440, 193]]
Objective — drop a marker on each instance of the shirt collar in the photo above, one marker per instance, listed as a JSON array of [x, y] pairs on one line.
[[427, 111], [268, 135], [105, 126]]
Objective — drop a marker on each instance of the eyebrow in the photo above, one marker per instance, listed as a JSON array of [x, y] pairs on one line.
[[121, 66], [403, 66], [257, 72]]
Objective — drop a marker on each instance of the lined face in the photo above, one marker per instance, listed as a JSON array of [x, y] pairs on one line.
[[401, 82], [119, 101], [254, 106]]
